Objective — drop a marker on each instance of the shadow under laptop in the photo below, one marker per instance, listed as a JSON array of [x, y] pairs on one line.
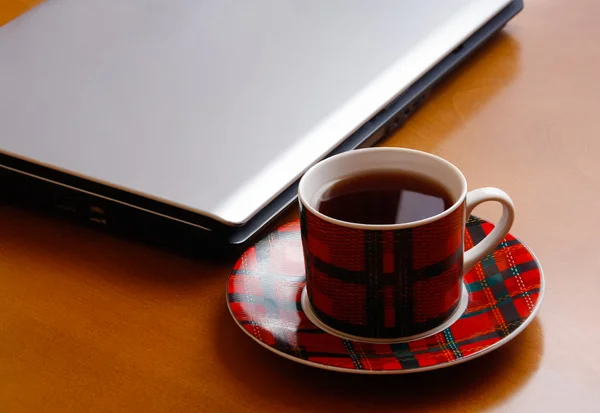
[[471, 386], [103, 258]]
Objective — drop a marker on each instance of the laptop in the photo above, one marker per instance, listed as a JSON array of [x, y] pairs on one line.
[[193, 120]]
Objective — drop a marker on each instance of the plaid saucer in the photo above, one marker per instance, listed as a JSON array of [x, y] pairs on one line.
[[265, 286]]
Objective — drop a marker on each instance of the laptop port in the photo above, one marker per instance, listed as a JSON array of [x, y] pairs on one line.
[[97, 215]]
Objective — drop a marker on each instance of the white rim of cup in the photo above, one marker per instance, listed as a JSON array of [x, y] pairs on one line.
[[315, 168]]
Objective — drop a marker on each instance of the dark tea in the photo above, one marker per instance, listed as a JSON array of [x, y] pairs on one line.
[[384, 197]]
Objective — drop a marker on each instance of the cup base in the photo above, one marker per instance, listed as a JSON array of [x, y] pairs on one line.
[[310, 314]]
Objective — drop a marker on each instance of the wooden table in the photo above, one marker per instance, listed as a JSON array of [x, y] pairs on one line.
[[90, 322]]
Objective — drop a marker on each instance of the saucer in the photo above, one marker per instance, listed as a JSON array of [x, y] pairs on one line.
[[264, 296]]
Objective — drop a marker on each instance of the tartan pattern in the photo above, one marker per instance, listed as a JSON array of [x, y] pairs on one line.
[[383, 284], [266, 283]]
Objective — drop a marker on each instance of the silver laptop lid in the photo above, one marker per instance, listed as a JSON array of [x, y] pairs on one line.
[[212, 106]]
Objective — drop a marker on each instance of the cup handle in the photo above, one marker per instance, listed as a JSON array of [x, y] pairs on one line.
[[487, 245]]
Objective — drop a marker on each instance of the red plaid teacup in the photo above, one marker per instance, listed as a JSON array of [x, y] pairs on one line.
[[391, 281]]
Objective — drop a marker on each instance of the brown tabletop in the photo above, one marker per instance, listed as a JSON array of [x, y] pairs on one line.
[[92, 322]]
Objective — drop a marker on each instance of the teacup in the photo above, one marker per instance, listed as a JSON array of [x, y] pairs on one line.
[[391, 281]]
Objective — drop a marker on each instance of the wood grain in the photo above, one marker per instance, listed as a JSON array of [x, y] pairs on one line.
[[92, 322]]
